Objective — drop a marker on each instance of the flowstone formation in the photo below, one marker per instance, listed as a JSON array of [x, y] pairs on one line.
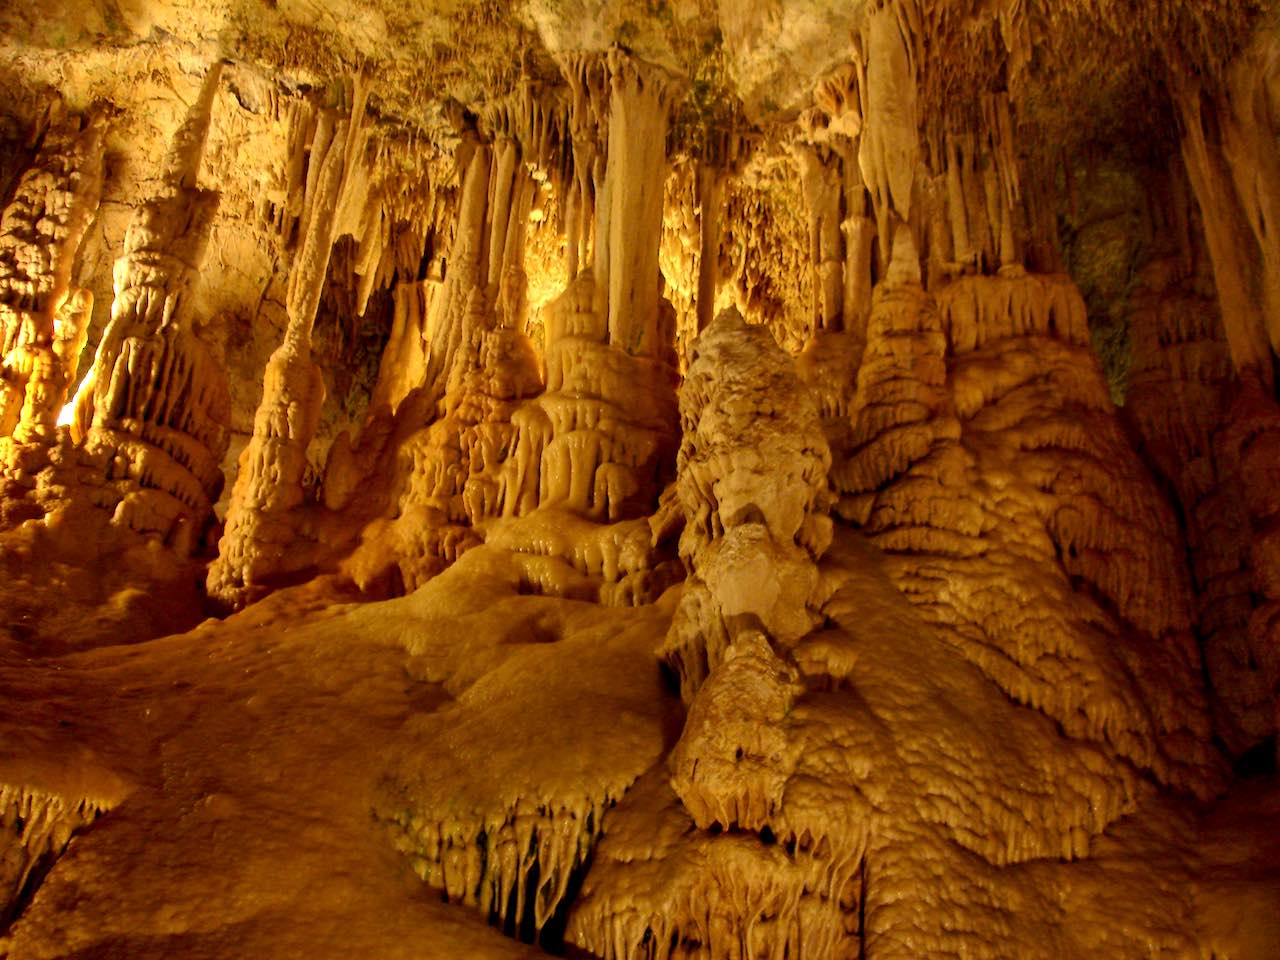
[[641, 481]]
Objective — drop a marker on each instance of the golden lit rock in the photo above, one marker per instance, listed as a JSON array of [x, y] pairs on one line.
[[619, 479]]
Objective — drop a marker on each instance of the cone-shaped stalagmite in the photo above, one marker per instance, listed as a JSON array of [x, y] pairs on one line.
[[155, 407]]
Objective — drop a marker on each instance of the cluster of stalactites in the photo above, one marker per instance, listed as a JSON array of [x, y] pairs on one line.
[[878, 179], [497, 445], [841, 230], [36, 827], [978, 222], [515, 867], [537, 118], [468, 270], [539, 139], [43, 320], [696, 211], [406, 220], [587, 75], [517, 149], [722, 156]]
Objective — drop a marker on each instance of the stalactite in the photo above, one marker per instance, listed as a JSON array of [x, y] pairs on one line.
[[640, 103], [1236, 225], [724, 154], [403, 365], [36, 827], [890, 147]]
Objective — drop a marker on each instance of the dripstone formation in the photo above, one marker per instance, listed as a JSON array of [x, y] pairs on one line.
[[642, 481]]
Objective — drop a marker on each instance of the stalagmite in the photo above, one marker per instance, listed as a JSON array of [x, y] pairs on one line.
[[750, 542], [255, 547], [153, 410], [43, 319]]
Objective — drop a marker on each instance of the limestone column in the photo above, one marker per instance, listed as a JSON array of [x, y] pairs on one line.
[[640, 101]]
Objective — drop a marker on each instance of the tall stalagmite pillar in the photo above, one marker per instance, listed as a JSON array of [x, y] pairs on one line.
[[154, 411], [259, 532], [43, 321]]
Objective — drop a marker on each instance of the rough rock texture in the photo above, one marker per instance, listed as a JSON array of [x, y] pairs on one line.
[[154, 407], [619, 479], [752, 497]]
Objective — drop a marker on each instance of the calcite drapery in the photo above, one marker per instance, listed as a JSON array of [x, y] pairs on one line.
[[1179, 394], [1227, 147]]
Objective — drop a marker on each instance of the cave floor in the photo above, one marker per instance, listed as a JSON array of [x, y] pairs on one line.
[[241, 764], [248, 767]]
